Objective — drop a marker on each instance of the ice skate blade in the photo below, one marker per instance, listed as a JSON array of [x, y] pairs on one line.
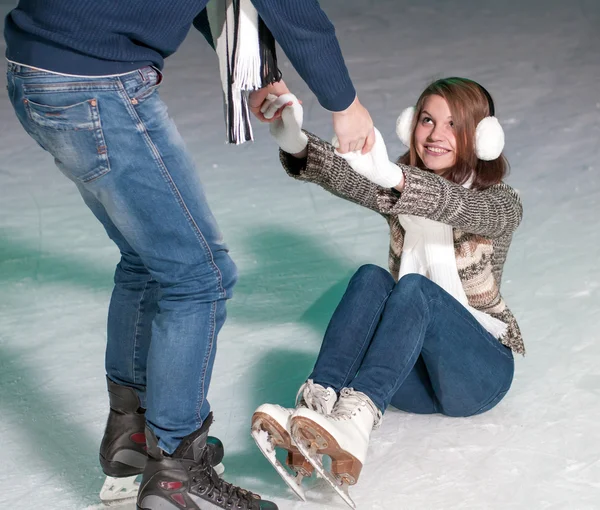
[[310, 450], [261, 438], [266, 443], [344, 466], [119, 489], [280, 438]]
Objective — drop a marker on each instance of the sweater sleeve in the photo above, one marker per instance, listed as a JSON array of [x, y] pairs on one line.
[[202, 25], [308, 38], [323, 167], [493, 212]]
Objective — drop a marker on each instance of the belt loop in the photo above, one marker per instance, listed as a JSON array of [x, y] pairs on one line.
[[159, 75]]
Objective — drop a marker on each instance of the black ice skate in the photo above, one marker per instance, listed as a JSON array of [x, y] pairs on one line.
[[187, 480], [123, 449]]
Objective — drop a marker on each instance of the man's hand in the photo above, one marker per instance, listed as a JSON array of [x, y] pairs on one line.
[[376, 165], [354, 129], [257, 99]]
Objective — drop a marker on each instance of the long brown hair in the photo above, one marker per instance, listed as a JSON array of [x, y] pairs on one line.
[[468, 105]]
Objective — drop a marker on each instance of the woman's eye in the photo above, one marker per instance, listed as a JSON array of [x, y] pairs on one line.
[[426, 120], [451, 124]]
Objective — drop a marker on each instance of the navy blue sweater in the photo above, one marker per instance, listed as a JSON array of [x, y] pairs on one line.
[[99, 37]]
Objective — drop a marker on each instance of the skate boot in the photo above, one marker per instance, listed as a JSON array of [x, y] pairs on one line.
[[187, 480], [270, 430], [123, 448], [343, 435]]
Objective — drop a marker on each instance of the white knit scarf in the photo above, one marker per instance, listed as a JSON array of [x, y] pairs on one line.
[[428, 250], [247, 60]]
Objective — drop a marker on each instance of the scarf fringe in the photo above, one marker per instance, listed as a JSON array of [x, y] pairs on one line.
[[270, 72], [247, 60], [246, 47]]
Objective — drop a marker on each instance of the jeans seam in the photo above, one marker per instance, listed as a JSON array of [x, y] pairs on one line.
[[69, 87], [202, 396], [174, 190], [496, 393], [391, 393], [493, 341], [487, 403], [135, 334], [346, 379]]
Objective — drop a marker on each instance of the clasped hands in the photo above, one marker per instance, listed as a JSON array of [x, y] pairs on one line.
[[286, 129]]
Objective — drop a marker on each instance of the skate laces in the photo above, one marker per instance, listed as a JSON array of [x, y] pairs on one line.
[[316, 397], [230, 493], [226, 492], [352, 402]]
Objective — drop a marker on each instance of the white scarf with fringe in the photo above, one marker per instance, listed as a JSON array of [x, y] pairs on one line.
[[428, 250], [247, 60]]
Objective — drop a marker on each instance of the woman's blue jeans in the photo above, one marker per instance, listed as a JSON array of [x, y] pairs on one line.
[[413, 345]]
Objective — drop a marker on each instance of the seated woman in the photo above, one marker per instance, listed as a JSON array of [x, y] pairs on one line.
[[432, 335]]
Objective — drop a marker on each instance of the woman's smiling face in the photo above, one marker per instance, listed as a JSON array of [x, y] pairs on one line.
[[435, 141]]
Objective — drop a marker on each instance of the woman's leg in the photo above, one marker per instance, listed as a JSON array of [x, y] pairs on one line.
[[470, 371], [416, 394], [352, 327]]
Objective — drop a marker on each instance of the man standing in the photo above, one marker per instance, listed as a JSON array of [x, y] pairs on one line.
[[82, 77]]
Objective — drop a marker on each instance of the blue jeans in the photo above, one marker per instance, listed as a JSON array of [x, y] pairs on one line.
[[413, 345], [113, 138]]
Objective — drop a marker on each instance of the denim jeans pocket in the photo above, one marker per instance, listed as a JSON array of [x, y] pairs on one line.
[[73, 135], [144, 89]]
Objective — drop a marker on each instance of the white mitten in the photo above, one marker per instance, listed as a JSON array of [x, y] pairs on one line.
[[375, 165], [287, 130]]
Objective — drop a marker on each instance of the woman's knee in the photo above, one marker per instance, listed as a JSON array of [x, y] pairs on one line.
[[370, 274], [409, 287], [413, 281], [414, 284]]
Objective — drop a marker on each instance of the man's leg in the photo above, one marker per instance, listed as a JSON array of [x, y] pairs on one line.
[[113, 137], [133, 306]]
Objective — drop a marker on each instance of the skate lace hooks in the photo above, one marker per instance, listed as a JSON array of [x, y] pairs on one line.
[[352, 402], [316, 397]]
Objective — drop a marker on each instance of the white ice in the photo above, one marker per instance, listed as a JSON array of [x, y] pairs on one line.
[[296, 246]]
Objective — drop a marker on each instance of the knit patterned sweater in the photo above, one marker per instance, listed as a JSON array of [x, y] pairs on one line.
[[483, 221]]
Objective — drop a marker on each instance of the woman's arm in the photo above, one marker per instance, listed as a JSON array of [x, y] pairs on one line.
[[493, 212], [323, 167]]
